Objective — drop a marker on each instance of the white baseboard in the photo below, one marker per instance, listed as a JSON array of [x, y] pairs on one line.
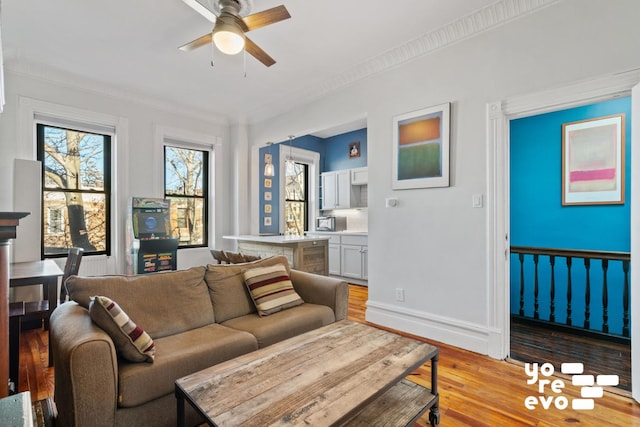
[[466, 335]]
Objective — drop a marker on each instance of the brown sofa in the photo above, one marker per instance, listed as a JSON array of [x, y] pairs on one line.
[[196, 318]]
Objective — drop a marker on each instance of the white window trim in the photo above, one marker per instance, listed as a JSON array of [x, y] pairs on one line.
[[311, 158], [26, 148], [176, 137]]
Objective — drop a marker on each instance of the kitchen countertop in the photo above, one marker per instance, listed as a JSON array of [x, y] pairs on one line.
[[340, 233], [275, 240]]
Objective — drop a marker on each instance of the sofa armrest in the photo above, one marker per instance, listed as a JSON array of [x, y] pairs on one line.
[[86, 369], [323, 290]]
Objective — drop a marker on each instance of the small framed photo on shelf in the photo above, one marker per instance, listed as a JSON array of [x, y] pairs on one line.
[[267, 221], [267, 196], [267, 183], [267, 208], [593, 163]]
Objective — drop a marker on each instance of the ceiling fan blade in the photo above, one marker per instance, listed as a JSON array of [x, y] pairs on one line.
[[200, 41], [198, 7], [255, 51], [266, 17]]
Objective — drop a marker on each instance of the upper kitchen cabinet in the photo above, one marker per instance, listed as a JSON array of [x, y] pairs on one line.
[[338, 191], [359, 176]]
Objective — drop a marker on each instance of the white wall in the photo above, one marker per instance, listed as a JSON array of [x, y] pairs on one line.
[[136, 168], [434, 243]]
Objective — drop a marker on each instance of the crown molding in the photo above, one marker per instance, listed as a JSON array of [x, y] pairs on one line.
[[485, 19], [47, 74]]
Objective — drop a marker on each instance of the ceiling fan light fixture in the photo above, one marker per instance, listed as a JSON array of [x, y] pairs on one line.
[[228, 37]]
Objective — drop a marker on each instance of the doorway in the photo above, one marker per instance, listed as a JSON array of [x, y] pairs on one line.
[[498, 209], [570, 259]]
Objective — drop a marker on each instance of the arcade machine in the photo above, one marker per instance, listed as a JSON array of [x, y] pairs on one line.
[[151, 245]]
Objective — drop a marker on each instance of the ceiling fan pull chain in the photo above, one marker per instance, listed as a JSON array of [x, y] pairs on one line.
[[213, 49], [244, 62]]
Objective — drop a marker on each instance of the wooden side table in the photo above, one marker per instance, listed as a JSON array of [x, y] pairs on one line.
[[16, 311]]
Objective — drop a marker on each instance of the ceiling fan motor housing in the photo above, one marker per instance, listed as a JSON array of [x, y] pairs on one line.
[[239, 7]]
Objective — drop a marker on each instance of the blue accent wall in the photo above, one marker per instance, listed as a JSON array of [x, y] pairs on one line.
[[337, 151], [334, 155], [538, 218]]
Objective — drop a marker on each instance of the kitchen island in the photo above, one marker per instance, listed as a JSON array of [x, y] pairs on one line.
[[304, 253]]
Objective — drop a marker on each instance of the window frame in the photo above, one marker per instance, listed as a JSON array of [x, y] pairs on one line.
[[310, 158], [206, 194], [305, 201], [108, 136]]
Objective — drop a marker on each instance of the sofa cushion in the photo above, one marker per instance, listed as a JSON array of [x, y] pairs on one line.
[[131, 341], [271, 289], [151, 299], [177, 356], [229, 295], [283, 324]]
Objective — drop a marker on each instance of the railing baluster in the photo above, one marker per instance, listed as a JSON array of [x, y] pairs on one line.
[[536, 315], [605, 297], [587, 293], [568, 291], [625, 300], [621, 287], [521, 257], [552, 296]]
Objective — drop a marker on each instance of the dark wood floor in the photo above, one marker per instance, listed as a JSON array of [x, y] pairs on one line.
[[532, 343], [475, 390]]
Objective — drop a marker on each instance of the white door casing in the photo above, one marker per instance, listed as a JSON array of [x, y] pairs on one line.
[[498, 116]]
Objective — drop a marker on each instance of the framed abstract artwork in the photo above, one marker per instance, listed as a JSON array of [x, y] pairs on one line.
[[421, 148], [593, 162]]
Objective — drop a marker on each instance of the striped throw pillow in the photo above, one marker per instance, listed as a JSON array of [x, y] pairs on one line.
[[271, 289], [131, 341]]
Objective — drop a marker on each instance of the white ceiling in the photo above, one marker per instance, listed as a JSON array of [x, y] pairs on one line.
[[133, 46]]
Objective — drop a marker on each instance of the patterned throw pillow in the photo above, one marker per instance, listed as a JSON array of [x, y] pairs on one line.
[[131, 341], [271, 289]]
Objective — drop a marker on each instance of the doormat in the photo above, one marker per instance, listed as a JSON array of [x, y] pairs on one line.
[[44, 414]]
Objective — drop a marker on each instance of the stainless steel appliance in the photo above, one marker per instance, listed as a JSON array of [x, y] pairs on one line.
[[331, 223]]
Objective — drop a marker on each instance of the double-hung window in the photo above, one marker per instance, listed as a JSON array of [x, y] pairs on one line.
[[76, 189], [185, 185], [296, 198]]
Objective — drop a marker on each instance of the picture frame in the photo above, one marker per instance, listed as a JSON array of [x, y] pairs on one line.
[[267, 208], [267, 196], [593, 161], [354, 149], [267, 221], [421, 148], [267, 183]]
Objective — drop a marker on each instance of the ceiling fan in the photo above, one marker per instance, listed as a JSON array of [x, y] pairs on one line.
[[231, 21]]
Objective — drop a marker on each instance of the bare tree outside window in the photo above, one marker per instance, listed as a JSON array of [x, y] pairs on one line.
[[186, 186], [296, 210], [76, 173]]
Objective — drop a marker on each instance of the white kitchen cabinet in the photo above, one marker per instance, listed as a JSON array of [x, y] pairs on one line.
[[360, 176], [336, 190], [339, 191], [348, 256], [334, 259], [354, 257]]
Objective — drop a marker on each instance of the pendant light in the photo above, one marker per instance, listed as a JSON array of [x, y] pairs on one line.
[[268, 162]]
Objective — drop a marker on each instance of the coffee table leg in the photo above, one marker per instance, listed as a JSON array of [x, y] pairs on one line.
[[180, 400], [434, 414]]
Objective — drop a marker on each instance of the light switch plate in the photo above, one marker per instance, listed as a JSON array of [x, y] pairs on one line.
[[476, 200]]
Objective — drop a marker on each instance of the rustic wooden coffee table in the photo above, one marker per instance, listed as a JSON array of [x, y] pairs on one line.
[[344, 373]]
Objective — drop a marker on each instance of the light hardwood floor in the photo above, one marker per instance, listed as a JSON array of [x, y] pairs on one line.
[[475, 390]]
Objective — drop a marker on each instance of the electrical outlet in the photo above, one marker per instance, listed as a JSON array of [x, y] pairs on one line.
[[399, 294]]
